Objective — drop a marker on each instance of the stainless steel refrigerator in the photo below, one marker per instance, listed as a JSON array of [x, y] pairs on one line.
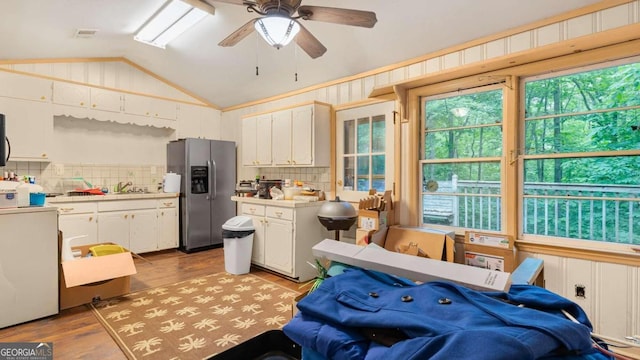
[[208, 180]]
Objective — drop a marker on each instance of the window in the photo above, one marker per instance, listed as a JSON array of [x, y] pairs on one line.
[[461, 159], [364, 144], [581, 154]]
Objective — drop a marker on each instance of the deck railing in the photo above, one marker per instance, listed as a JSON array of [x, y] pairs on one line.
[[603, 213]]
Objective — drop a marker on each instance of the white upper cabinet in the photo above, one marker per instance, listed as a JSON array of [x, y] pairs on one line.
[[195, 121], [151, 107], [29, 128], [305, 138], [70, 94], [82, 101], [106, 100], [25, 87], [256, 141], [281, 147], [299, 137]]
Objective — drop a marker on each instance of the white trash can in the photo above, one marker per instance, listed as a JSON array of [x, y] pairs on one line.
[[237, 235]]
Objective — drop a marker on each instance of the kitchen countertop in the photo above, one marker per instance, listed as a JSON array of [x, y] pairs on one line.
[[283, 203], [28, 209], [110, 197]]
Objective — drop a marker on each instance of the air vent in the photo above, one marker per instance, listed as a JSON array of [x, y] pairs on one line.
[[86, 33]]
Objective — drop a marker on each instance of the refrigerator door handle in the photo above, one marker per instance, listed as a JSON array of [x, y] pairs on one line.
[[209, 179], [215, 179]]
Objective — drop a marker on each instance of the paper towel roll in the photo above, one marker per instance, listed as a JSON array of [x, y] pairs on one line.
[[171, 183]]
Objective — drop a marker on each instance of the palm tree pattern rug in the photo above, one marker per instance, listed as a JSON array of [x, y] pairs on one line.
[[197, 318]]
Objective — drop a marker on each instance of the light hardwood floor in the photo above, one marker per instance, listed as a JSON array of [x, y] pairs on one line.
[[77, 334]]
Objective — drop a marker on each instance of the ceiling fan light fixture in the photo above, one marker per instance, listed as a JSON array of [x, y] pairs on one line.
[[277, 31]]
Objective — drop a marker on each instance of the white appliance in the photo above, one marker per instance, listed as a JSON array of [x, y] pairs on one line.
[[28, 264]]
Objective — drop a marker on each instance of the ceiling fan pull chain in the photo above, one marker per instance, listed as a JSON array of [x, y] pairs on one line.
[[257, 63], [295, 59]]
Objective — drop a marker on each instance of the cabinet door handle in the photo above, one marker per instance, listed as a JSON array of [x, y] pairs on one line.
[[126, 216], [168, 204], [90, 218], [81, 103], [278, 213], [66, 209], [132, 216], [161, 213], [93, 105]]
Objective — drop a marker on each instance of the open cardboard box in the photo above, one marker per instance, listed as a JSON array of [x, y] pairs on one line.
[[365, 237], [87, 279], [430, 243]]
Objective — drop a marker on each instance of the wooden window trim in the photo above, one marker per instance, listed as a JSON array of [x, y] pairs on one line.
[[619, 46]]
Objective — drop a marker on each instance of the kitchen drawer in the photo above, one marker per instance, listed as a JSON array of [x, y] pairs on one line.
[[253, 209], [280, 213], [168, 203], [77, 208], [126, 205]]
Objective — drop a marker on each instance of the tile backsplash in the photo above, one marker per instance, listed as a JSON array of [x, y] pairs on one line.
[[62, 177], [316, 177]]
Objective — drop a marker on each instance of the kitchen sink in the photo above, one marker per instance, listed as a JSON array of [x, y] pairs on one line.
[[130, 193]]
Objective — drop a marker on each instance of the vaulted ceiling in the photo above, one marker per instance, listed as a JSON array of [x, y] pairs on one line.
[[44, 29]]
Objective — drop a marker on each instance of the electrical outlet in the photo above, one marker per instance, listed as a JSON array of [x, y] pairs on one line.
[[58, 169], [580, 291]]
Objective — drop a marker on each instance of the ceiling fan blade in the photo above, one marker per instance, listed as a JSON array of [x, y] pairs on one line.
[[338, 16], [239, 34], [312, 46], [235, 2]]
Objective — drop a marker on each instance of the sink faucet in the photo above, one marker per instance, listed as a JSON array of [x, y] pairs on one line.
[[121, 186]]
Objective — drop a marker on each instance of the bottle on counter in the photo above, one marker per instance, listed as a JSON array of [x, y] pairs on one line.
[[23, 195]]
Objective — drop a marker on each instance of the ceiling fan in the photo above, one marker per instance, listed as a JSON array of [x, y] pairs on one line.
[[286, 14]]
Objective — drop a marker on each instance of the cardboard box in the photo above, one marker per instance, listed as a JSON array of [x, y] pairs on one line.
[[489, 251], [489, 257], [484, 261], [365, 237], [372, 219], [430, 243], [90, 278], [412, 267], [488, 239]]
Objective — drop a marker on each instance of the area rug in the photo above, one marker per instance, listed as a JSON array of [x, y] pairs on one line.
[[197, 318]]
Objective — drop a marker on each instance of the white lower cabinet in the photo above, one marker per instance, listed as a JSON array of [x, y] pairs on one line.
[[143, 231], [114, 228], [168, 224], [279, 236], [75, 219], [284, 235], [134, 230], [138, 225]]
